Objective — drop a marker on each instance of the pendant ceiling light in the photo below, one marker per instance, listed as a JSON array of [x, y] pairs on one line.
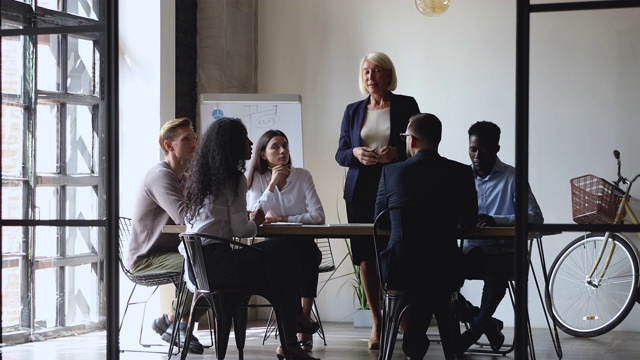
[[432, 7]]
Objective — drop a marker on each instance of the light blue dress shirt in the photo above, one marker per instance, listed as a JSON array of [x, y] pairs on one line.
[[497, 198]]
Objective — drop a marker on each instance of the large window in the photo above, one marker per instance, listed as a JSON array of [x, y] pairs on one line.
[[54, 167]]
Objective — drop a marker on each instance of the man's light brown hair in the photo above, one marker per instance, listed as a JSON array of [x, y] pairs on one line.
[[168, 130]]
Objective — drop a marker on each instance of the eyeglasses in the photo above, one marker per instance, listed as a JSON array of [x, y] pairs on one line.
[[403, 136]]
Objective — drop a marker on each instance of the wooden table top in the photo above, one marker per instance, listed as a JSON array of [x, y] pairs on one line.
[[347, 230]]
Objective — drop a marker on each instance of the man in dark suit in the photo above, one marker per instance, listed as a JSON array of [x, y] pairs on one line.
[[430, 198]]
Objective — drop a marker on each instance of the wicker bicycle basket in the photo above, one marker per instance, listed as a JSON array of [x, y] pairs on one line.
[[594, 200]]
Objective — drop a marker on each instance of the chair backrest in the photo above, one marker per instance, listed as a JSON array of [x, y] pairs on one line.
[[382, 220], [124, 231], [327, 263], [195, 269]]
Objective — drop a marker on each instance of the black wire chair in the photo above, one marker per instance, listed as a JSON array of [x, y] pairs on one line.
[[229, 306], [150, 280]]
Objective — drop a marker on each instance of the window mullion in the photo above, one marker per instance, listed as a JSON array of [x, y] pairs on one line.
[[27, 311], [61, 304]]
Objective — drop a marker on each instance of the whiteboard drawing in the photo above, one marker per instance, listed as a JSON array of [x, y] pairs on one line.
[[259, 113], [217, 114]]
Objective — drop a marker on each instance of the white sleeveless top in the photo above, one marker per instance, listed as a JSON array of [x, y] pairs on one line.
[[376, 129]]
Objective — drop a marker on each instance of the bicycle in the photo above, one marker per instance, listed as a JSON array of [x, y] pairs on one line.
[[593, 282]]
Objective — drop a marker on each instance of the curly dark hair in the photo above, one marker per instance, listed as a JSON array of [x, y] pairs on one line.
[[218, 165]]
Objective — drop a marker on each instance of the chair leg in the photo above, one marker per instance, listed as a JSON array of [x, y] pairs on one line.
[[316, 315], [144, 311], [240, 326], [225, 309], [127, 306], [394, 306], [142, 323], [271, 327], [182, 289]]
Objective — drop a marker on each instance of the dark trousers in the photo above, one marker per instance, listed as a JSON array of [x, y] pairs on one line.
[[495, 270], [273, 273], [307, 257], [422, 308]]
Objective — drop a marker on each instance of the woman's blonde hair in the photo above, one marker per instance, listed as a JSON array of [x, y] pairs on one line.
[[382, 60]]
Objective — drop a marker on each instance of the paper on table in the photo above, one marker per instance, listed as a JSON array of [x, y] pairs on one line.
[[353, 224], [283, 223]]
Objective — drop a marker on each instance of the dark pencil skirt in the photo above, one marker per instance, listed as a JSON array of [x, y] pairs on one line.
[[362, 210]]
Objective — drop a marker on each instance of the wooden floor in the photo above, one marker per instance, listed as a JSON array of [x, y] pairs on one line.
[[343, 342]]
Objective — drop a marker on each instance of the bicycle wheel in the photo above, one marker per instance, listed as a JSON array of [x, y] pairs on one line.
[[585, 307]]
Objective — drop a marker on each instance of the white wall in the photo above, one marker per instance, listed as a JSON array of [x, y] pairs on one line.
[[585, 82], [147, 100]]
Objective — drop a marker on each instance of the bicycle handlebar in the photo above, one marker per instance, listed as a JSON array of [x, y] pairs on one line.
[[622, 179]]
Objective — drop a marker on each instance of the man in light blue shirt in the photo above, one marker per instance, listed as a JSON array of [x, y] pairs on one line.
[[491, 260]]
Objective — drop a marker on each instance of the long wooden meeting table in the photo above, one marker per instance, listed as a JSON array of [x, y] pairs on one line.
[[347, 230], [341, 231]]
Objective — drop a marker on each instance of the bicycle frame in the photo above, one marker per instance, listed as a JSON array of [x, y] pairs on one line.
[[624, 212]]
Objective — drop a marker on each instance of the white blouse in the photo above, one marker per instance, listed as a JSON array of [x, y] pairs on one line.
[[298, 199], [376, 129]]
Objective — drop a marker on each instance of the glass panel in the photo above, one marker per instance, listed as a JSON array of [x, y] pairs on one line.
[[12, 70], [46, 298], [50, 4], [11, 280], [47, 203], [48, 72], [80, 140], [12, 201], [47, 244], [84, 8], [82, 294], [47, 149], [82, 203], [12, 141], [82, 240], [80, 64]]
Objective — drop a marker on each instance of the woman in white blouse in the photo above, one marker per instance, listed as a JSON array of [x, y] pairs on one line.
[[288, 194]]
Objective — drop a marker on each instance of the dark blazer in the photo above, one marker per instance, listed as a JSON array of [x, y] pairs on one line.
[[402, 107], [437, 196]]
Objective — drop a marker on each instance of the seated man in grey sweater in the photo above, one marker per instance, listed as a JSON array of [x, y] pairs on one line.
[[160, 201]]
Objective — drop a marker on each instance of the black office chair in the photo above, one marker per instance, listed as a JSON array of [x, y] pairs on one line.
[[395, 304], [228, 305], [153, 280], [327, 264]]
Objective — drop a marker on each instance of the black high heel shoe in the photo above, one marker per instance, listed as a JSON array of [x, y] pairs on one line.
[[306, 345], [308, 329], [296, 352], [311, 327]]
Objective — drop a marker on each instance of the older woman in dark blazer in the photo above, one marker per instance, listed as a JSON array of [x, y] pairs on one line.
[[370, 139]]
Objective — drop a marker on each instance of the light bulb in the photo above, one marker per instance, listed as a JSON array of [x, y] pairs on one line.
[[432, 7]]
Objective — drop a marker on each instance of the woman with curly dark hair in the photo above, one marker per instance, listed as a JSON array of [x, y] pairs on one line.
[[216, 205]]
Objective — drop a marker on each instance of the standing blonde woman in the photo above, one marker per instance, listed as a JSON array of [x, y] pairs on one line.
[[370, 139]]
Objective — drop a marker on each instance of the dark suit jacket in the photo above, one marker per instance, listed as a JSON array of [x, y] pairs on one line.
[[436, 197], [402, 107]]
